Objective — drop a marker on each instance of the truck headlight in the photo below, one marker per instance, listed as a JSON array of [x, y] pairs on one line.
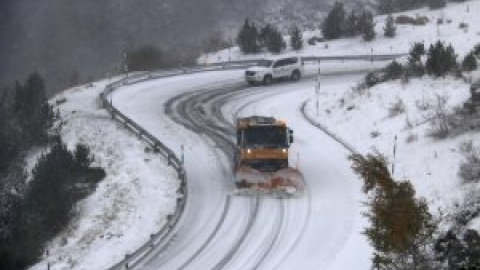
[[249, 151], [284, 150]]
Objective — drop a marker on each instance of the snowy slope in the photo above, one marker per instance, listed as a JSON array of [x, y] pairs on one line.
[[463, 40], [117, 218], [364, 120], [131, 203]]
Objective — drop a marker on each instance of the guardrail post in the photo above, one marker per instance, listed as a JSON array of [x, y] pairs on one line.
[[152, 236], [169, 159]]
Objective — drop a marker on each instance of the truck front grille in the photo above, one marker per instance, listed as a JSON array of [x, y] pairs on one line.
[[266, 165]]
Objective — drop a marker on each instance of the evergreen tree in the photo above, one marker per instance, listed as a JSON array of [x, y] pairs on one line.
[[385, 6], [476, 50], [435, 4], [368, 26], [34, 112], [247, 38], [415, 66], [296, 39], [401, 226], [333, 25], [469, 62], [272, 39], [459, 252], [351, 28], [146, 58], [440, 60], [393, 71], [390, 28], [416, 52]]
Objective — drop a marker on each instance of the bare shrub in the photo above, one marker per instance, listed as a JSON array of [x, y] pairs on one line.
[[404, 19], [408, 123], [375, 134], [411, 138], [470, 167], [397, 108], [462, 25], [439, 124], [423, 105]]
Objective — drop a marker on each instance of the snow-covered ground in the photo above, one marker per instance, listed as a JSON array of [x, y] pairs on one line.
[[131, 203], [364, 120], [320, 230], [139, 191]]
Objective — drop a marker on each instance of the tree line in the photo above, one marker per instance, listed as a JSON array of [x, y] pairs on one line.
[[30, 213], [438, 61], [254, 39]]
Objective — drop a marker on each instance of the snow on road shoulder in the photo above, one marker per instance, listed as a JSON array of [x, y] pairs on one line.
[[131, 203]]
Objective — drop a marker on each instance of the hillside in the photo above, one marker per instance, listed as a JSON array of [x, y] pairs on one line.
[[82, 40]]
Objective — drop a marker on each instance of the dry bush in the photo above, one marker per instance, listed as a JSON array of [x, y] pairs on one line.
[[469, 169], [397, 108], [439, 124], [411, 138]]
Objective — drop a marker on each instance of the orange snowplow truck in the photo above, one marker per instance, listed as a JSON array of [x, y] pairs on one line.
[[261, 158]]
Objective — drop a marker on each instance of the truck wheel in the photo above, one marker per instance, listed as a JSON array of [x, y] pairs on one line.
[[267, 79], [295, 75]]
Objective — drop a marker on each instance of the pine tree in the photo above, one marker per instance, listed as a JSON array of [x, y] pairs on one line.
[[272, 39], [390, 28], [296, 39], [476, 50], [333, 25], [440, 60], [393, 71], [247, 38], [416, 52], [351, 28], [401, 226], [34, 112], [368, 27], [469, 62]]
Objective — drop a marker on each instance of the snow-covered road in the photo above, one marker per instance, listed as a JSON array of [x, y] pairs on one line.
[[321, 230]]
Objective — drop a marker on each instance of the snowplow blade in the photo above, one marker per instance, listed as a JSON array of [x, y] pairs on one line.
[[287, 182]]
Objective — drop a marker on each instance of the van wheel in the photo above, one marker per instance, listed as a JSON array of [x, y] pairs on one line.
[[295, 75], [267, 79]]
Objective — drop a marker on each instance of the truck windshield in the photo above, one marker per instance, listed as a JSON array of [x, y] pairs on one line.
[[265, 136], [264, 63]]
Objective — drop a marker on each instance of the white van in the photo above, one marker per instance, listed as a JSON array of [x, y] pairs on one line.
[[266, 71]]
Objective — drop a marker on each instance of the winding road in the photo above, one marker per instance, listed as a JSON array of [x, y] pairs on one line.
[[321, 230]]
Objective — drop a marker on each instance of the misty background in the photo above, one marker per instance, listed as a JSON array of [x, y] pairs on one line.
[[75, 41]]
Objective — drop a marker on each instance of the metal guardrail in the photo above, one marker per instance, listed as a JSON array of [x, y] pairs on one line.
[[172, 220], [365, 57]]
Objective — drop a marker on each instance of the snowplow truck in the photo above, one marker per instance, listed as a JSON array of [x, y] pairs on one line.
[[261, 158]]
